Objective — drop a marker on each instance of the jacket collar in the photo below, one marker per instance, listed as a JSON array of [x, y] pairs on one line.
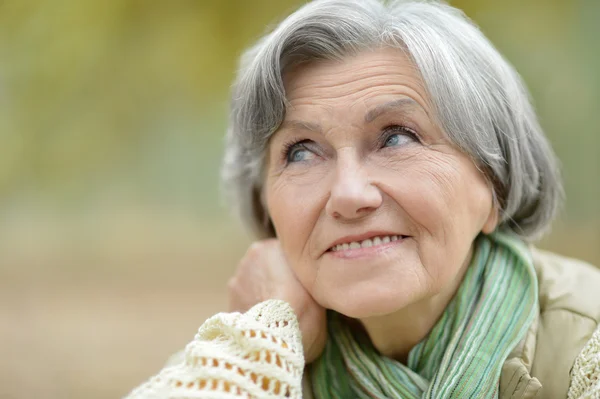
[[515, 379]]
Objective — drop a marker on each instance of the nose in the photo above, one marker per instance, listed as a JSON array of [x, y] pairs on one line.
[[352, 195]]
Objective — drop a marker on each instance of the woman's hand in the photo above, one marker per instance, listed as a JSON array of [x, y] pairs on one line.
[[262, 274]]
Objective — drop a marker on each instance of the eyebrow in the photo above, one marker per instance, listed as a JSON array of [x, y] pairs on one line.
[[370, 116], [383, 108], [302, 125]]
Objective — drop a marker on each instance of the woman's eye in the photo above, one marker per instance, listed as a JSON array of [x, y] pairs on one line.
[[400, 138], [299, 153]]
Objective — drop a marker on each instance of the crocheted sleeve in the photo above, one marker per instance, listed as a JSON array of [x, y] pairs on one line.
[[257, 354], [585, 374]]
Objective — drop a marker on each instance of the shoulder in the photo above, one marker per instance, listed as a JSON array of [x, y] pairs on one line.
[[569, 300], [567, 284]]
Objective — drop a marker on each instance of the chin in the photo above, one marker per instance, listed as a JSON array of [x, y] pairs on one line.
[[360, 304]]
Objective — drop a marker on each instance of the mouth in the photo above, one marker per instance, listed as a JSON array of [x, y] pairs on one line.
[[371, 242]]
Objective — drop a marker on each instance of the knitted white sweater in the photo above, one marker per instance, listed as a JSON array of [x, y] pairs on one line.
[[258, 354]]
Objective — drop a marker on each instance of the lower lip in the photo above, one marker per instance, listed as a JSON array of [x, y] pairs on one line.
[[365, 252]]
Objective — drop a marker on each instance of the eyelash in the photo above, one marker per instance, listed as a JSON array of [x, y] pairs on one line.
[[381, 140], [289, 146], [396, 129]]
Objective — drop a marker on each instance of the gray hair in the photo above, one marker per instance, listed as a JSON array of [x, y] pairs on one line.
[[477, 96]]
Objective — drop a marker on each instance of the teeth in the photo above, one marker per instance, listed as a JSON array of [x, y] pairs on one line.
[[366, 243]]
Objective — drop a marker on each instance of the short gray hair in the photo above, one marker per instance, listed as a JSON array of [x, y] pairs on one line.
[[478, 98]]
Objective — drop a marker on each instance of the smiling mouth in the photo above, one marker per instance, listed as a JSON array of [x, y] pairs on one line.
[[368, 243]]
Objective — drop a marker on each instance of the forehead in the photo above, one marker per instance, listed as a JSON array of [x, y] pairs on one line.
[[361, 81]]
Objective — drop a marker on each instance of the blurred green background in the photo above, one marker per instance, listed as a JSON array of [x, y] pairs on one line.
[[114, 245]]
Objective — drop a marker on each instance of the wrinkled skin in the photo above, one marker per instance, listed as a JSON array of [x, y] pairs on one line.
[[359, 155]]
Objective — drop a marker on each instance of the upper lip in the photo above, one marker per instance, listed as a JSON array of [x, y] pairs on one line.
[[362, 237]]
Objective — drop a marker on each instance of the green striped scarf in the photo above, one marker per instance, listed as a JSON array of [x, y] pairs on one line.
[[462, 356]]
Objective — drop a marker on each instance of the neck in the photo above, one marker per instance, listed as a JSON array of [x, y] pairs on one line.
[[395, 334]]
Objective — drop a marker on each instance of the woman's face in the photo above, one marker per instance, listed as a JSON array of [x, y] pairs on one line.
[[374, 207]]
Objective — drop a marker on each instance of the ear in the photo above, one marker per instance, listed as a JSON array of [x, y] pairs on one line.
[[267, 222], [493, 218], [492, 222]]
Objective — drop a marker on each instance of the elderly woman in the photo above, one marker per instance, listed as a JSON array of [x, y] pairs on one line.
[[390, 161]]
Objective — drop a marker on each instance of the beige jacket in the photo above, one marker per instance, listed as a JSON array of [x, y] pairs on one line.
[[569, 297], [258, 354]]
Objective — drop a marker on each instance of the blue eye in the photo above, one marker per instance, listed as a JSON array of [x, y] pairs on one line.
[[392, 140], [297, 154], [404, 136]]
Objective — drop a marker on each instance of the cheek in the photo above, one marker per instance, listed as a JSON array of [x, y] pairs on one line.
[[293, 206], [426, 191], [445, 201], [442, 194]]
